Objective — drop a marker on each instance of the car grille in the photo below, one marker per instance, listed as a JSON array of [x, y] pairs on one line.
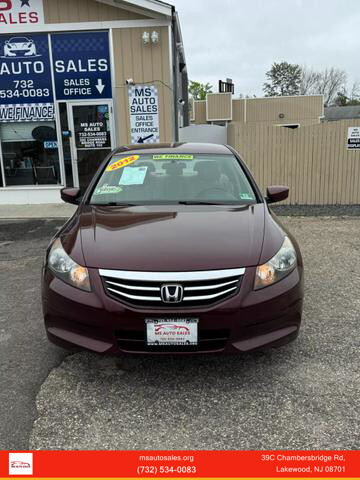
[[209, 340], [144, 289]]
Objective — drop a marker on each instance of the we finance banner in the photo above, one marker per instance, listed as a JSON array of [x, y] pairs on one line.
[[180, 464]]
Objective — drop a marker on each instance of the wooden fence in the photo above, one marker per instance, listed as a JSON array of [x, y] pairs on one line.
[[312, 160]]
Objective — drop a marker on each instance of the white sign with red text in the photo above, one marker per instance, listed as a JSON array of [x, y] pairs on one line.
[[19, 13], [20, 463]]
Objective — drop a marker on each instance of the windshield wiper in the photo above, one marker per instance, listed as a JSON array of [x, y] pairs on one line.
[[190, 202], [116, 204]]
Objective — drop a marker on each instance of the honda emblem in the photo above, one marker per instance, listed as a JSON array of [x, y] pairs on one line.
[[172, 293]]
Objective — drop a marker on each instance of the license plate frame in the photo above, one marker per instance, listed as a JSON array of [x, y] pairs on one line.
[[168, 332]]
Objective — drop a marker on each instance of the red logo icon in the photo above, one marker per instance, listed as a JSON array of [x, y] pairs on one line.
[[19, 464], [179, 328]]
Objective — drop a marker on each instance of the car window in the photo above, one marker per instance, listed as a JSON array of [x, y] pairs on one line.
[[173, 178]]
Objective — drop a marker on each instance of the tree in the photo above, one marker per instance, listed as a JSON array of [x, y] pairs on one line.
[[332, 80], [284, 79], [348, 97], [309, 79], [199, 90]]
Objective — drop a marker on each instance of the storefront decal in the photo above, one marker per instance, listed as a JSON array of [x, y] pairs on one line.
[[92, 135], [25, 89], [144, 114], [50, 144], [81, 63], [41, 112], [123, 162], [20, 12], [353, 140]]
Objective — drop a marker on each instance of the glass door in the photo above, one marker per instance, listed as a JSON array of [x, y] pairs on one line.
[[91, 139]]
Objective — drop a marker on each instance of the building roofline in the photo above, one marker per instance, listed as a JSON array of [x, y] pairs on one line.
[[155, 6]]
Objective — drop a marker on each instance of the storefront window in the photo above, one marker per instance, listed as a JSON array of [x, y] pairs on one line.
[[30, 153]]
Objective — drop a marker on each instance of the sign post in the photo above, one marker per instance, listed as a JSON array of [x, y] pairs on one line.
[[144, 114]]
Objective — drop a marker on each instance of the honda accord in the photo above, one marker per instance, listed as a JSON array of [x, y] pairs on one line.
[[173, 248]]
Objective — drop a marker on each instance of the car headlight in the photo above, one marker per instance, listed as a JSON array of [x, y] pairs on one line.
[[278, 267], [66, 269]]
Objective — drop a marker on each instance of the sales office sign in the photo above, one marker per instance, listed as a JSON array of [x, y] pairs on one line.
[[20, 12]]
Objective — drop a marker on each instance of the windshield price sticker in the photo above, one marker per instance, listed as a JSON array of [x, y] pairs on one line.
[[133, 176], [25, 90], [81, 63], [123, 162], [144, 114]]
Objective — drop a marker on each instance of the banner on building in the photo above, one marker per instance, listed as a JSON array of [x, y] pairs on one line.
[[144, 114], [26, 93], [20, 12], [81, 63]]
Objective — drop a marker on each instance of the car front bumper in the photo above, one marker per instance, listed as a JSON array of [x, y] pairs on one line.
[[247, 321]]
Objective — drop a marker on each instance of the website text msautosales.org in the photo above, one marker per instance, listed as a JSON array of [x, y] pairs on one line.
[[166, 458]]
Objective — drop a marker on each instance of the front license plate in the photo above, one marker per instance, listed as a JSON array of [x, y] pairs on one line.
[[172, 331]]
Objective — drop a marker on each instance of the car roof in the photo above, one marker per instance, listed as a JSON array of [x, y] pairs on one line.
[[210, 148]]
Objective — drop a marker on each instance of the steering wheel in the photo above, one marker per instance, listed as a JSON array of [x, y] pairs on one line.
[[216, 189]]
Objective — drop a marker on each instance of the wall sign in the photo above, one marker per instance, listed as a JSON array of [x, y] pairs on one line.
[[81, 64], [353, 140], [25, 88], [144, 114], [20, 12]]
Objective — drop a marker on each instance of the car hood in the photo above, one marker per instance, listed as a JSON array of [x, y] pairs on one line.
[[171, 238]]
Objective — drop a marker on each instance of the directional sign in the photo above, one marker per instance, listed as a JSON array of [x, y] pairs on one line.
[[81, 65], [25, 87], [144, 114]]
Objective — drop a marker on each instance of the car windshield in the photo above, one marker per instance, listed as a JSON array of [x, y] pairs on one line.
[[173, 178]]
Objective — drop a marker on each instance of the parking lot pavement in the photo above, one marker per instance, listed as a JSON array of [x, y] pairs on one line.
[[26, 357], [302, 396]]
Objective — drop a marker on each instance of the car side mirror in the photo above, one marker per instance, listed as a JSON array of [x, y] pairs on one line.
[[70, 195], [276, 193]]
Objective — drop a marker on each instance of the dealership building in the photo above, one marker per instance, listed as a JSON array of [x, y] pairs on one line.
[[77, 79]]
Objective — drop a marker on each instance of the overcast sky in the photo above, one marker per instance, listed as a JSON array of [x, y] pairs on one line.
[[240, 39]]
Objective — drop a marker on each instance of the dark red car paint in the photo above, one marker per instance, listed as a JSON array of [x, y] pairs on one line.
[[174, 238]]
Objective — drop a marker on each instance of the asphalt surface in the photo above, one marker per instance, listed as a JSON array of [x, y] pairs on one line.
[[301, 396], [26, 357]]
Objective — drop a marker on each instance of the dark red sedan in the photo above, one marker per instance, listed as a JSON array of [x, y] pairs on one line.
[[173, 249]]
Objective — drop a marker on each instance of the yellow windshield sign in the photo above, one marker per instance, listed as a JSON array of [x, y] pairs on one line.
[[123, 162], [173, 156]]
